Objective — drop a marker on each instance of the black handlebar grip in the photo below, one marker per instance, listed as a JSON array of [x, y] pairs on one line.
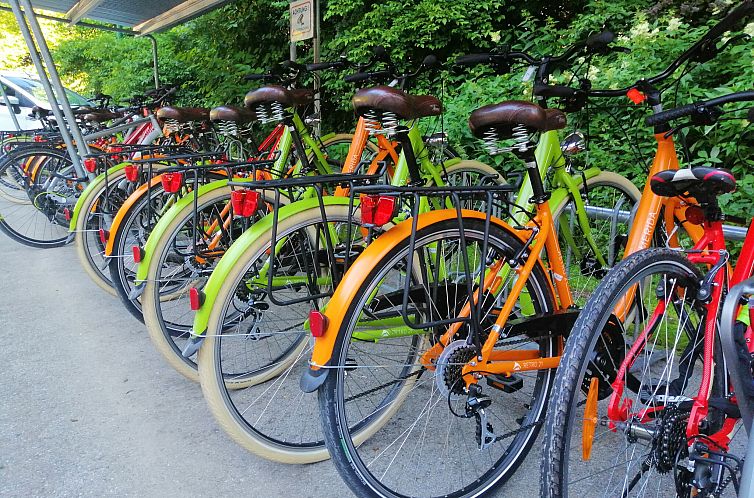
[[430, 61], [543, 90], [473, 59], [357, 77], [319, 66], [257, 77], [672, 114], [750, 115], [600, 40]]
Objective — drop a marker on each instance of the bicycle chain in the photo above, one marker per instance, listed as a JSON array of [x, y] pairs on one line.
[[418, 372]]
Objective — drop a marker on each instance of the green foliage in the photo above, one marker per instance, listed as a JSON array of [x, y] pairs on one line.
[[210, 55]]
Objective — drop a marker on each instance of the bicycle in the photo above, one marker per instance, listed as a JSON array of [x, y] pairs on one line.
[[629, 381]]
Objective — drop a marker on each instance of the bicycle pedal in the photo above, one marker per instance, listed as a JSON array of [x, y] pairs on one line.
[[506, 384]]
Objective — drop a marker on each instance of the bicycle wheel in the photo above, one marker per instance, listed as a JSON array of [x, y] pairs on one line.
[[180, 262], [96, 213], [256, 347], [610, 200], [640, 447], [50, 186], [397, 428]]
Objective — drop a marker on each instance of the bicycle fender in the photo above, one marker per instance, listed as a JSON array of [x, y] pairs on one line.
[[132, 200], [236, 251], [93, 185], [159, 229], [359, 271], [559, 194]]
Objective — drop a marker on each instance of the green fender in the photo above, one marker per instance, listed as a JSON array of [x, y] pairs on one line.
[[231, 257], [93, 185], [160, 228], [561, 193]]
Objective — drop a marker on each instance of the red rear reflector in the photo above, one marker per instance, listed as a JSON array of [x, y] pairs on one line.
[[196, 298], [116, 149], [90, 164], [244, 202], [138, 254], [636, 96], [132, 172], [377, 210], [317, 323], [172, 182], [103, 235], [695, 215], [67, 214], [38, 138]]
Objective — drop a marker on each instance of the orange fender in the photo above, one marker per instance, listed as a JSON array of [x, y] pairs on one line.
[[134, 198], [364, 264]]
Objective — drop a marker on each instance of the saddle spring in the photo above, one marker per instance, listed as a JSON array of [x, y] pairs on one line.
[[267, 113], [519, 136], [229, 128], [381, 123], [171, 126]]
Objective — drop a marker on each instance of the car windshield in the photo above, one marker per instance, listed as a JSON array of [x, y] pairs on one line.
[[36, 89]]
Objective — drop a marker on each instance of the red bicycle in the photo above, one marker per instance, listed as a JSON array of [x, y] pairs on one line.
[[642, 403]]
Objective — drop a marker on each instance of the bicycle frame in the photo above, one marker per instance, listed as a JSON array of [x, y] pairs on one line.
[[709, 250]]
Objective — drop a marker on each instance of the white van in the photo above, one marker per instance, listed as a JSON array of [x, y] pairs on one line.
[[24, 93]]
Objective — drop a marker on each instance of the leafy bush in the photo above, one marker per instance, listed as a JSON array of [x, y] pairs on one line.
[[210, 55]]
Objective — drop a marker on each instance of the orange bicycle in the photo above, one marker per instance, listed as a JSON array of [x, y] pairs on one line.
[[444, 334]]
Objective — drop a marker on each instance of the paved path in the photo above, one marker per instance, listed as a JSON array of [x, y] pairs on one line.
[[88, 408]]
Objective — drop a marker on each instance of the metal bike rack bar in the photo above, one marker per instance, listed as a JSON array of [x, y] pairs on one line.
[[600, 213], [10, 108]]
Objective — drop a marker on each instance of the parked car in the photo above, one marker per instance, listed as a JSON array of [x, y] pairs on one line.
[[24, 93]]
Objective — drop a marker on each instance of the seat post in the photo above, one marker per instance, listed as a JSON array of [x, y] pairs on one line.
[[539, 194], [402, 135]]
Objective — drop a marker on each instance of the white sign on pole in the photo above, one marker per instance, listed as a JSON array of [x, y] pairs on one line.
[[302, 20]]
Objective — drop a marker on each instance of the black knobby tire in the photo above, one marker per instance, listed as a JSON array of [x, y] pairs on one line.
[[57, 239], [576, 356], [343, 444]]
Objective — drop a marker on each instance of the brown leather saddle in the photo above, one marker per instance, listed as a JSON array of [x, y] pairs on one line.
[[229, 113], [277, 94], [505, 116], [183, 114], [389, 99]]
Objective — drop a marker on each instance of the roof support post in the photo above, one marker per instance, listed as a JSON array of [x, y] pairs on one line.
[[10, 108], [57, 85], [155, 61], [68, 137]]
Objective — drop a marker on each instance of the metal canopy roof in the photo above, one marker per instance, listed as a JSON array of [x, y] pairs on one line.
[[143, 16]]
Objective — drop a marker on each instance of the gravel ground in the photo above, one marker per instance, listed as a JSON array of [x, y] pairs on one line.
[[89, 408]]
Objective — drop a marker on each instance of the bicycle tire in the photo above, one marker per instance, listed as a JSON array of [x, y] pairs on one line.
[[297, 414]]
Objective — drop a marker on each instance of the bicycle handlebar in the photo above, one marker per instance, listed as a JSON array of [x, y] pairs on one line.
[[750, 115], [700, 107]]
